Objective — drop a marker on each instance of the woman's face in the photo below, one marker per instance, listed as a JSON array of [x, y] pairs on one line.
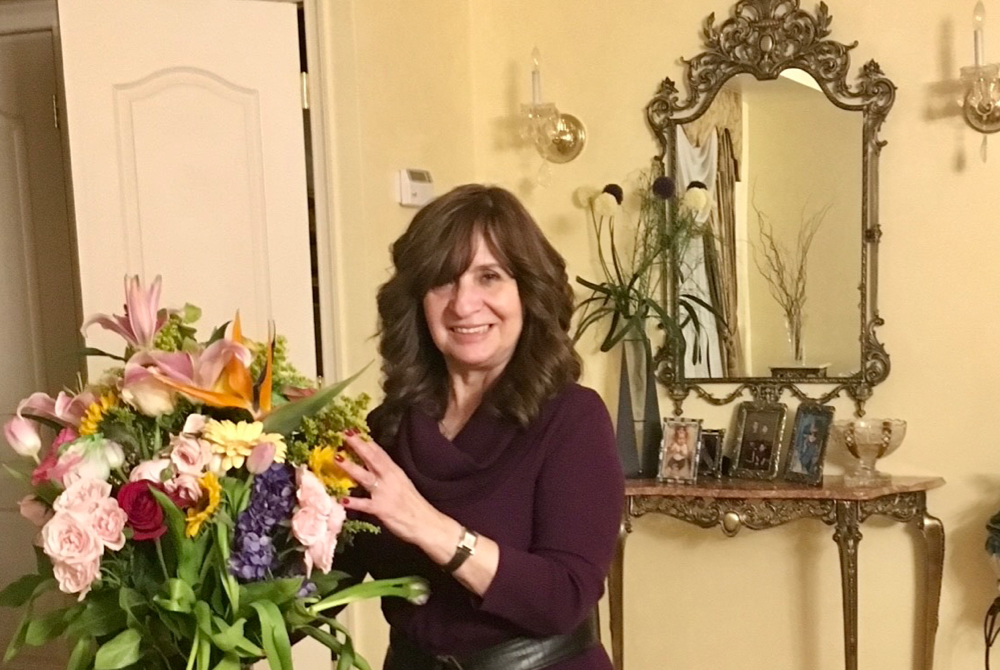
[[476, 320]]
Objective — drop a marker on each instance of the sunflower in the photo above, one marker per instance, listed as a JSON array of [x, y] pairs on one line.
[[232, 442], [201, 511], [322, 462], [95, 412]]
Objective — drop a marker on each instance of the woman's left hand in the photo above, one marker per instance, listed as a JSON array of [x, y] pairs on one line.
[[393, 498]]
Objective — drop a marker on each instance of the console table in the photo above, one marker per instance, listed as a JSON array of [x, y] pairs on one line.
[[732, 505]]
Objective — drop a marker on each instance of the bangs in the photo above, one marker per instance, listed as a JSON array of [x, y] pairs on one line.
[[459, 246]]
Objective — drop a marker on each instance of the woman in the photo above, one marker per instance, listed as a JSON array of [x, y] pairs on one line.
[[491, 472]]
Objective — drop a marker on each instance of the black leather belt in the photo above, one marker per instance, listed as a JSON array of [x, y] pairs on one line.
[[520, 653]]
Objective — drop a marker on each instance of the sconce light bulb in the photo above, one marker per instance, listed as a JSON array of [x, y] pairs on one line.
[[536, 55], [978, 15]]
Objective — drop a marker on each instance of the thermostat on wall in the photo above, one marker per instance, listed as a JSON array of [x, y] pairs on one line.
[[416, 187]]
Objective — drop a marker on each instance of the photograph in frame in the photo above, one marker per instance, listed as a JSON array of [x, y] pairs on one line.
[[807, 448], [757, 447], [710, 455], [679, 450]]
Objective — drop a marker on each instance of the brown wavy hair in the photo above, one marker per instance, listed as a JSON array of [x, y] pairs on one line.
[[437, 248]]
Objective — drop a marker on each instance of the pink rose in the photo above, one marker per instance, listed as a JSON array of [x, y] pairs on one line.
[[149, 471], [68, 538], [83, 496], [34, 510], [311, 491], [184, 490], [76, 577], [108, 520], [190, 455], [320, 555], [308, 526]]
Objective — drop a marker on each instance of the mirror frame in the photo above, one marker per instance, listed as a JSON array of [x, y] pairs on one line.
[[762, 38]]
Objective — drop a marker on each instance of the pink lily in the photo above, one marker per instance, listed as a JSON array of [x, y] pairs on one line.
[[64, 409], [142, 386], [143, 318]]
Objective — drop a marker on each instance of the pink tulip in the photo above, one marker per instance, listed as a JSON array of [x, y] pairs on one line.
[[22, 436], [142, 319], [261, 457]]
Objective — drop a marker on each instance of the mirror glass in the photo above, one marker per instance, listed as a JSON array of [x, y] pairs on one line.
[[784, 165]]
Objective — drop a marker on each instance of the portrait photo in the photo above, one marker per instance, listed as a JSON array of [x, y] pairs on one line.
[[679, 450], [807, 450], [759, 429], [710, 454]]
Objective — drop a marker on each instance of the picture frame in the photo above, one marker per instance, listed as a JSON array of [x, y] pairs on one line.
[[711, 454], [679, 451], [807, 447], [760, 428]]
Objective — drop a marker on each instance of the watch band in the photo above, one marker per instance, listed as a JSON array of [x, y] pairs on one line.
[[466, 547]]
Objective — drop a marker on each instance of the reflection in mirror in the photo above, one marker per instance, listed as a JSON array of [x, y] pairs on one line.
[[781, 257]]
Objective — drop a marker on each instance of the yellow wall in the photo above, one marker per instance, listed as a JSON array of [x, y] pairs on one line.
[[695, 599]]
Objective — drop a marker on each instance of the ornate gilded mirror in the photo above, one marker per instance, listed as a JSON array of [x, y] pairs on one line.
[[787, 255]]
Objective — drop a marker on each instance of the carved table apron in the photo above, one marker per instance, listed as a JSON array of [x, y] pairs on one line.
[[733, 504]]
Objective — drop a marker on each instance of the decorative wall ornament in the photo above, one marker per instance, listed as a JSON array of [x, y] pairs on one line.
[[764, 38]]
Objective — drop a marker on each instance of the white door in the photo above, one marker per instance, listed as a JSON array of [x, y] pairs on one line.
[[38, 331], [188, 159]]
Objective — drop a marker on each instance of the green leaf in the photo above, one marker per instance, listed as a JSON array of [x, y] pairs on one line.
[[17, 474], [83, 654], [120, 651], [218, 333], [228, 662], [17, 640], [278, 591], [327, 639], [287, 418], [92, 351], [101, 616], [274, 635], [45, 421], [46, 627], [18, 592], [179, 596], [228, 637]]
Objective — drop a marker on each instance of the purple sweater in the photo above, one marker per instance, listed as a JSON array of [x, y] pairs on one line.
[[549, 495]]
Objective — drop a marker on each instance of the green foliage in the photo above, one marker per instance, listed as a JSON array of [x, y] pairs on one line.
[[631, 295]]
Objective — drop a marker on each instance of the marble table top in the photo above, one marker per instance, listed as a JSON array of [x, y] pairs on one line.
[[832, 488]]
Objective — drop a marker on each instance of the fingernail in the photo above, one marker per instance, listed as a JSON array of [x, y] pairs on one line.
[[350, 432], [345, 501], [339, 458]]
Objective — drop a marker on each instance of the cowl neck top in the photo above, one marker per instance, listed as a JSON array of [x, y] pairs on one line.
[[487, 450]]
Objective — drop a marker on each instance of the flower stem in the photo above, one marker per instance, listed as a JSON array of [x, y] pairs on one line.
[[163, 562]]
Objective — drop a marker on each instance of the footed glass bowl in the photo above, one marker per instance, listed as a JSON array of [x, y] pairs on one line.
[[868, 440]]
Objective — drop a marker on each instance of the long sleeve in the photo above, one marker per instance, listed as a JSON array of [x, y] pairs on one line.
[[552, 586]]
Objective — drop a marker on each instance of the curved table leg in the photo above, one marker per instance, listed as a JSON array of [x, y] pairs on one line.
[[615, 592], [933, 532], [847, 536]]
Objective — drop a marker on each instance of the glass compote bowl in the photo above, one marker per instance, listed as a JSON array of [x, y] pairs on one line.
[[868, 440]]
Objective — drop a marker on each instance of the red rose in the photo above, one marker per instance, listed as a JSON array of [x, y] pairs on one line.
[[145, 516]]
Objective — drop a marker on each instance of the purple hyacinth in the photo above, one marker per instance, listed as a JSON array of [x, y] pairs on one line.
[[271, 502]]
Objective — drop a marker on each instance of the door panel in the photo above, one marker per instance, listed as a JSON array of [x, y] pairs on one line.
[[188, 160]]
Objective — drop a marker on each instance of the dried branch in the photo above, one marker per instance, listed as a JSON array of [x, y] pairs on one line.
[[784, 269]]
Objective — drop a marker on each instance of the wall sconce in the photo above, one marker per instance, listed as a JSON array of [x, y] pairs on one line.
[[981, 106], [558, 137]]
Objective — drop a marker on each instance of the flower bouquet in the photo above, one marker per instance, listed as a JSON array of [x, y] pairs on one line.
[[188, 499]]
